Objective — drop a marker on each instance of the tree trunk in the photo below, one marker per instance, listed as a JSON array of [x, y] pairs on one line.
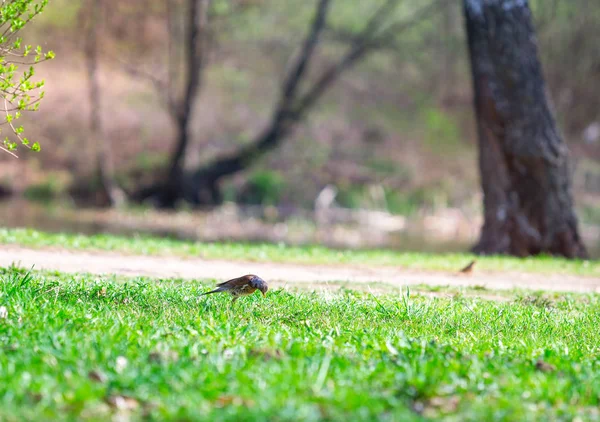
[[104, 164], [525, 174], [195, 45]]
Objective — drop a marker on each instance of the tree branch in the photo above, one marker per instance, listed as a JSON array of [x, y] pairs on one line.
[[291, 109], [365, 42], [195, 47], [292, 105], [298, 70], [197, 23], [268, 138]]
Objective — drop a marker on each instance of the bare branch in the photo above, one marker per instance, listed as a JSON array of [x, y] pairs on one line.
[[385, 40], [292, 106], [344, 36], [171, 56], [196, 47], [8, 151], [406, 24], [290, 109], [281, 116], [198, 17], [365, 42], [375, 21], [303, 61]]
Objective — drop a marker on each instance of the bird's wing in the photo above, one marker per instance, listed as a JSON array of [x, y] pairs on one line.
[[235, 282]]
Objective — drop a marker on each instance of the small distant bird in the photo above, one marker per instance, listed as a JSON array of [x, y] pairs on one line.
[[469, 268], [241, 286]]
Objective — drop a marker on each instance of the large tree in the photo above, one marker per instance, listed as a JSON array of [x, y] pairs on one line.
[[524, 162]]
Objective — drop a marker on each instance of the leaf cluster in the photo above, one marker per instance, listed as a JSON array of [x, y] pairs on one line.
[[19, 91]]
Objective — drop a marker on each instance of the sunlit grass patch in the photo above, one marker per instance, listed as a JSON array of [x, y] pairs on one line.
[[89, 347]]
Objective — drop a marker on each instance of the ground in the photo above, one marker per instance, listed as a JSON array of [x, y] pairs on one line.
[[283, 274], [106, 328], [85, 347]]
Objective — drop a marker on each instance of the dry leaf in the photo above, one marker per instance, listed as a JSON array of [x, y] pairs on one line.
[[36, 397], [267, 354], [542, 366], [227, 400], [122, 402], [154, 357], [98, 376], [157, 357], [440, 405], [447, 403]]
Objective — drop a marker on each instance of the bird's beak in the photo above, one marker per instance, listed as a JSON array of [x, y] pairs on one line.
[[264, 295]]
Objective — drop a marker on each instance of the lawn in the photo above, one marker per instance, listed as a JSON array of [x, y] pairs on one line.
[[90, 347], [311, 254]]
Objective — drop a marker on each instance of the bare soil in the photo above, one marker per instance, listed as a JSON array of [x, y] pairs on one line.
[[288, 275]]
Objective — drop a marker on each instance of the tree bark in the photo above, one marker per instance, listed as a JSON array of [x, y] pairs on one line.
[[524, 162]]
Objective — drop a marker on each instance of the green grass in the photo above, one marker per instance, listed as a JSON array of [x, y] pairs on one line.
[[71, 346], [296, 254]]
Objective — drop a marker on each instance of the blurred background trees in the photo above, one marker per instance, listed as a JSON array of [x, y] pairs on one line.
[[394, 132]]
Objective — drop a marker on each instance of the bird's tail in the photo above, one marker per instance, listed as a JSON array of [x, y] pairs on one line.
[[212, 291]]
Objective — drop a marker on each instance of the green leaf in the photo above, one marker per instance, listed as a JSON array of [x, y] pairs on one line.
[[17, 85]]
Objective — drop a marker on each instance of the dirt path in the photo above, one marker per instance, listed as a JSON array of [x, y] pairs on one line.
[[280, 273]]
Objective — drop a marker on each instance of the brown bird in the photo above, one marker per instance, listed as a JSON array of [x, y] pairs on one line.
[[469, 268], [241, 286]]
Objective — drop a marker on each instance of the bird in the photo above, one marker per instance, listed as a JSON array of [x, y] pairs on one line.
[[241, 286], [469, 268]]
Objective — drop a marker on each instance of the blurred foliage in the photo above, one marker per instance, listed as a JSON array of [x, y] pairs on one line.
[[442, 132], [394, 201], [61, 15], [45, 191], [350, 196], [264, 187], [402, 204]]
